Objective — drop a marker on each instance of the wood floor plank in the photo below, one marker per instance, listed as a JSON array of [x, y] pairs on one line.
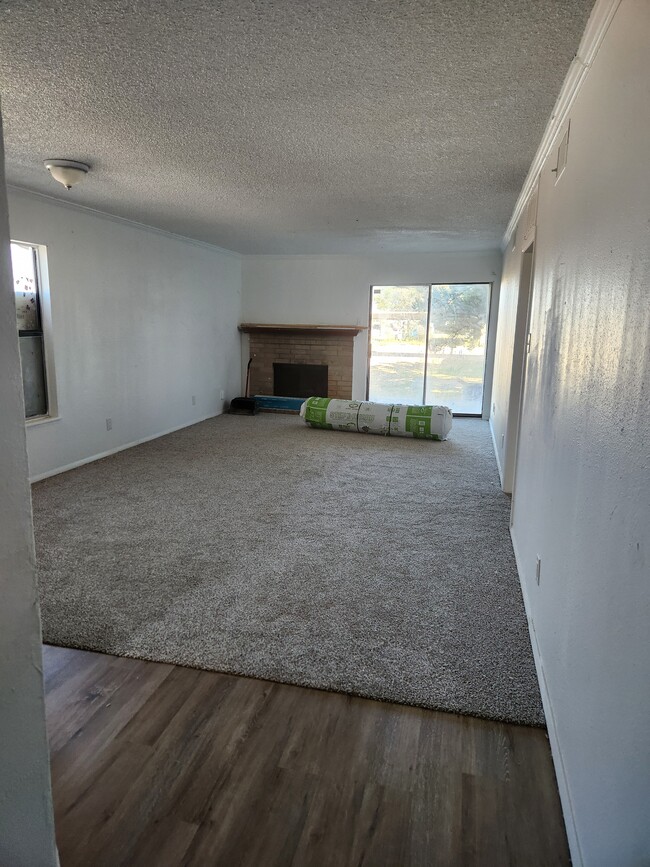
[[54, 661], [160, 765], [218, 757], [150, 795], [483, 838], [90, 716], [81, 813], [76, 692], [164, 844], [149, 722]]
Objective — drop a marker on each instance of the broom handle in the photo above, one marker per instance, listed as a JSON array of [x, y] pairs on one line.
[[248, 375]]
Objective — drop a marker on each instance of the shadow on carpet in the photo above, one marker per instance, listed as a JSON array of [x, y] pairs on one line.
[[380, 567]]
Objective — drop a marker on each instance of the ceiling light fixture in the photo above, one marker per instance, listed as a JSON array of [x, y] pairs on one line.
[[67, 172]]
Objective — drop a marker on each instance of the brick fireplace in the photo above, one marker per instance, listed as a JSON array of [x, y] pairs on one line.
[[330, 345]]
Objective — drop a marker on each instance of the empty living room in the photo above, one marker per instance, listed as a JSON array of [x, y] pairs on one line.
[[325, 424]]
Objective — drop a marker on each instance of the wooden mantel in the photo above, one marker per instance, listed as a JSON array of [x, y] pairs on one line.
[[263, 328]]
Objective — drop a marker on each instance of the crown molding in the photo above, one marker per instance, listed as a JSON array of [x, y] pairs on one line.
[[597, 26], [125, 221]]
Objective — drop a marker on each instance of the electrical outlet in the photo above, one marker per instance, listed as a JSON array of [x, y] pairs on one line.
[[193, 400], [109, 424], [222, 394], [538, 569], [503, 439]]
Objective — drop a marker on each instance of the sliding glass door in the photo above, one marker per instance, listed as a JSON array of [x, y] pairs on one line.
[[428, 344], [458, 321], [398, 340]]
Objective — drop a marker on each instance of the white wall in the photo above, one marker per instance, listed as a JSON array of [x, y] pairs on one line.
[[582, 486], [26, 820], [335, 290], [141, 321]]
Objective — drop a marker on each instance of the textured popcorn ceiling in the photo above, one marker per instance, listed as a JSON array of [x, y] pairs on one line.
[[289, 127]]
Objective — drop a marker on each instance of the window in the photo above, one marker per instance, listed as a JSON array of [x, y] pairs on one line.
[[29, 317], [428, 344]]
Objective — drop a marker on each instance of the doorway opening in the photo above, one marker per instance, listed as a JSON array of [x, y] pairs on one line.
[[519, 367], [428, 345]]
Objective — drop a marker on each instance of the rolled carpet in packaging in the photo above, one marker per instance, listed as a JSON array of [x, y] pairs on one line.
[[389, 419]]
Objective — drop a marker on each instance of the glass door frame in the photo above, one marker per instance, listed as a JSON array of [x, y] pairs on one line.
[[490, 284]]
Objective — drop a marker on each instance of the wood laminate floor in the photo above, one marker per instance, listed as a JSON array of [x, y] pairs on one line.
[[159, 765]]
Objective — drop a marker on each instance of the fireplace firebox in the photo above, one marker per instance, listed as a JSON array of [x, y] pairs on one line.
[[300, 380]]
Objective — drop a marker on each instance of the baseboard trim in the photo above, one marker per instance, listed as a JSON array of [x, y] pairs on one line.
[[551, 726], [89, 460], [496, 451]]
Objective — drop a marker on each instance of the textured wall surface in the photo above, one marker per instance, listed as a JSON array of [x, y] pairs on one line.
[[582, 491], [289, 127], [141, 322], [26, 820], [335, 290]]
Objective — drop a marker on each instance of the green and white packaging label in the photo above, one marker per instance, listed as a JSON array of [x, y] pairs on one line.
[[314, 411], [420, 422], [374, 418]]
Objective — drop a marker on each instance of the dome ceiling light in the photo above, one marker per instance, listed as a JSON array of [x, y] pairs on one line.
[[67, 172]]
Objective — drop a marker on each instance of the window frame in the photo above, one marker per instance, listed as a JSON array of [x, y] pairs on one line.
[[44, 301], [490, 336]]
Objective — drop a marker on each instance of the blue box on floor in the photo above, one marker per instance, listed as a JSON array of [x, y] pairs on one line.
[[275, 403]]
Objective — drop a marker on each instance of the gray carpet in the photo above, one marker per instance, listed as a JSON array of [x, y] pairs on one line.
[[258, 546]]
